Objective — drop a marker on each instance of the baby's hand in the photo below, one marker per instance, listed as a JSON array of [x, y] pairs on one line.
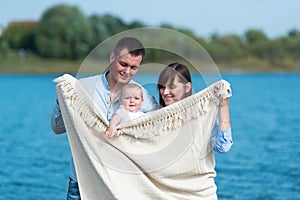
[[111, 132]]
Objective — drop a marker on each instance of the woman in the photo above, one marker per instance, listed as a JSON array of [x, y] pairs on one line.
[[175, 83]]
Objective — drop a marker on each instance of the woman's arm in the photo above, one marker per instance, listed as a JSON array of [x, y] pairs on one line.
[[224, 122], [221, 137]]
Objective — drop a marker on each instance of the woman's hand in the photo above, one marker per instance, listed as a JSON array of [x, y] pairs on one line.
[[223, 96], [222, 90], [224, 120]]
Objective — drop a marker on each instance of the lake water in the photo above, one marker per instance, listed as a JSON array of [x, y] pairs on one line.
[[264, 162]]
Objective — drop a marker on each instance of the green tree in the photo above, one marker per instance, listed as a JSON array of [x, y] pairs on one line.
[[285, 48], [100, 31], [258, 43], [114, 24], [136, 24], [254, 36], [4, 47], [187, 32], [294, 33], [63, 32], [226, 48], [20, 34]]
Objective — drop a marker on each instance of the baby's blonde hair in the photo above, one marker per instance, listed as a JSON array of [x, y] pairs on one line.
[[132, 86]]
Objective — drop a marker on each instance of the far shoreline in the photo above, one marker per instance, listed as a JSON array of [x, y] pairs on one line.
[[13, 64]]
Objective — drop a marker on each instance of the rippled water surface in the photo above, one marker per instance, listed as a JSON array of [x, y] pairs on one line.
[[264, 162]]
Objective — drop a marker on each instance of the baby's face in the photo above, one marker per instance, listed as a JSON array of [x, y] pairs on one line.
[[132, 99]]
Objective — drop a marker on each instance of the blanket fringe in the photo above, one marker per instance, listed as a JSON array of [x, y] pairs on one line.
[[153, 123], [168, 118], [75, 95]]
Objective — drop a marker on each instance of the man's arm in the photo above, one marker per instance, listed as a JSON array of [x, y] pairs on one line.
[[57, 122]]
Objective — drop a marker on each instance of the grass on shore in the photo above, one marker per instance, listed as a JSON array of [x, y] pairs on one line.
[[14, 64], [31, 64]]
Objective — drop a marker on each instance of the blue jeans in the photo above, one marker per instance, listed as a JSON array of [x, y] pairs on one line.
[[73, 190]]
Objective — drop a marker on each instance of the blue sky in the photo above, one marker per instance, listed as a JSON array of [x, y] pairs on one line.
[[204, 17]]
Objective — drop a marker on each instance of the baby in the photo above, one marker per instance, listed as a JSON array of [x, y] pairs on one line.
[[131, 100]]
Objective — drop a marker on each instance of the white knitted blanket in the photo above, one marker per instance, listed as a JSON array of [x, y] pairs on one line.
[[165, 154]]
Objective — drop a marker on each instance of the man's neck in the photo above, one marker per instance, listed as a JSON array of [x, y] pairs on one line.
[[115, 89]]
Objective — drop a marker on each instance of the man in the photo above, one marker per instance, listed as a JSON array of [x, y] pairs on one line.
[[105, 88]]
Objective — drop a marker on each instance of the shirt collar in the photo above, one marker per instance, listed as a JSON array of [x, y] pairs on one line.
[[105, 83], [104, 80]]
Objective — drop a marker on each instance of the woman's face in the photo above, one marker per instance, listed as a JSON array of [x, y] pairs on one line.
[[174, 91]]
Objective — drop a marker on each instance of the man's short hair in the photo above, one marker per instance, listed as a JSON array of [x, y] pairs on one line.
[[134, 46]]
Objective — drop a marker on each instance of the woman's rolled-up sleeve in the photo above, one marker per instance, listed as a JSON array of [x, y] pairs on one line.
[[221, 140]]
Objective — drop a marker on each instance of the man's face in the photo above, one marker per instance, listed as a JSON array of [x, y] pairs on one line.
[[124, 67]]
